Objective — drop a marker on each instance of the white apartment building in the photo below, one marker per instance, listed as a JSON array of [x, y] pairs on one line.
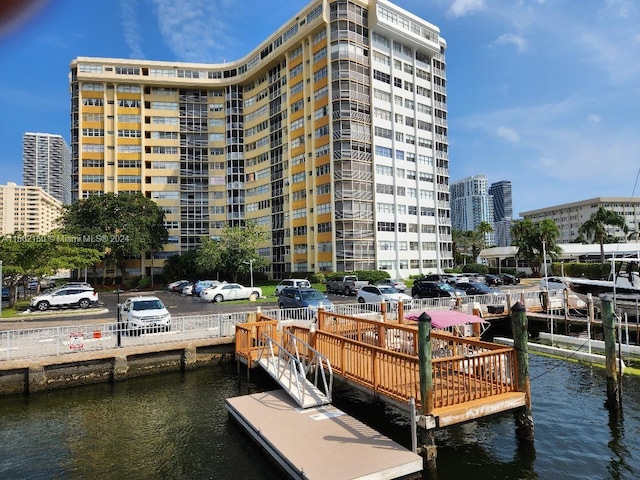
[[570, 216], [30, 210], [472, 204], [46, 163]]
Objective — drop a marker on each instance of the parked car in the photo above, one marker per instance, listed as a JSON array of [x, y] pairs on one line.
[[309, 298], [381, 293], [144, 313], [292, 282], [346, 285], [492, 280], [395, 283], [230, 291], [5, 294], [472, 277], [177, 286], [80, 296], [202, 285], [187, 289], [476, 288], [508, 279], [424, 289], [552, 283]]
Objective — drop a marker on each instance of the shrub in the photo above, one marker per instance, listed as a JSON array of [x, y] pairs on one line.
[[144, 282], [475, 268]]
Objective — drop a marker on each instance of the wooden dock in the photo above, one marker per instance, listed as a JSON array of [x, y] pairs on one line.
[[321, 442]]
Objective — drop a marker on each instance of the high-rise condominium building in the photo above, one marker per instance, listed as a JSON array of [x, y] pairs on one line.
[[29, 210], [502, 212], [332, 133], [46, 163], [471, 204]]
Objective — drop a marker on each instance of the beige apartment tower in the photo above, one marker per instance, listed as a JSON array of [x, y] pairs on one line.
[[29, 210], [332, 133]]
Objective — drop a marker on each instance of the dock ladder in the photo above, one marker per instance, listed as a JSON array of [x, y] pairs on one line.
[[298, 368]]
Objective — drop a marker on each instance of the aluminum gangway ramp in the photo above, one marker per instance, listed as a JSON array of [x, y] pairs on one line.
[[303, 372]]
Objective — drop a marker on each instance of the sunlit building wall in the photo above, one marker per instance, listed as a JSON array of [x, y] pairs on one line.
[[332, 133]]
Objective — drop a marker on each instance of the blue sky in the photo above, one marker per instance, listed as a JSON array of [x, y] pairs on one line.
[[544, 93]]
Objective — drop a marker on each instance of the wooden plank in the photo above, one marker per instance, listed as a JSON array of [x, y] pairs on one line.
[[320, 443], [474, 409]]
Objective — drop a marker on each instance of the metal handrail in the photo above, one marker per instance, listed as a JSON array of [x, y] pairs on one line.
[[299, 365]]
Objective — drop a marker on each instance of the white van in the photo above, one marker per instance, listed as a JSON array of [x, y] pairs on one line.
[[292, 282]]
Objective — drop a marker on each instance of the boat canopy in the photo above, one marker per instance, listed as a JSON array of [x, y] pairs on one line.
[[446, 318]]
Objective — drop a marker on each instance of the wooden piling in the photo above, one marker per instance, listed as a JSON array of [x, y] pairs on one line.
[[523, 416], [613, 402], [428, 449]]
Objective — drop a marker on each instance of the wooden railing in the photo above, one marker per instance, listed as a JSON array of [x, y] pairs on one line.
[[383, 357]]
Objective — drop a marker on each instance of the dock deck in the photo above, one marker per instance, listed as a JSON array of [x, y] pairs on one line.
[[321, 442]]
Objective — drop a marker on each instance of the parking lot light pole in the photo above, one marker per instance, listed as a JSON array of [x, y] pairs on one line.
[[250, 263], [118, 320]]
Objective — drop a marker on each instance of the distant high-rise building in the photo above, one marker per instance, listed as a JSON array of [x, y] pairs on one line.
[[569, 217], [46, 163], [332, 134], [471, 204], [502, 212], [29, 210]]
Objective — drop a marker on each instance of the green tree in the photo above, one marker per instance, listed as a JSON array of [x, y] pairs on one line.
[[533, 239], [120, 226], [35, 256], [596, 228], [234, 252], [182, 266]]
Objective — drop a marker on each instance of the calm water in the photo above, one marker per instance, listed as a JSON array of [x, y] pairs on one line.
[[176, 426]]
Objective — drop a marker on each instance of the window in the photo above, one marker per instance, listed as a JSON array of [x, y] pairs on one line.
[[126, 103], [321, 131], [129, 163], [164, 105], [93, 132], [92, 102], [129, 88], [126, 133]]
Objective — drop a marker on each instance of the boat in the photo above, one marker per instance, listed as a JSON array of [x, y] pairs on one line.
[[623, 286]]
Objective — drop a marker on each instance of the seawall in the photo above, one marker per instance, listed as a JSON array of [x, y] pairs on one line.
[[113, 365]]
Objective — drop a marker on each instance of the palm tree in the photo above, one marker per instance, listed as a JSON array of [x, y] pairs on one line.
[[596, 227], [533, 238]]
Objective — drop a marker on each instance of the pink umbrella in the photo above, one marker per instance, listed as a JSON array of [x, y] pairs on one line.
[[446, 318]]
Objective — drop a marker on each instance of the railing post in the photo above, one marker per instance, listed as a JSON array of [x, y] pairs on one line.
[[401, 312], [522, 415], [383, 310], [426, 388], [613, 402]]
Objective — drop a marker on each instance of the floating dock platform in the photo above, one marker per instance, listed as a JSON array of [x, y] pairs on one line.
[[321, 442]]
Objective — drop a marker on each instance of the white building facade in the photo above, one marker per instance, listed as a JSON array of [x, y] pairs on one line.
[[570, 216]]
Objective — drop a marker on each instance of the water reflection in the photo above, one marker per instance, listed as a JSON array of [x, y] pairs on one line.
[[176, 426]]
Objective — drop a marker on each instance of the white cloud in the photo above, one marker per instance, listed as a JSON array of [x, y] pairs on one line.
[[199, 31], [593, 118], [460, 8], [510, 38], [131, 27], [508, 134]]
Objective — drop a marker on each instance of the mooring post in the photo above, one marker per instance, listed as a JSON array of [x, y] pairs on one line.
[[523, 416], [426, 388], [613, 402]]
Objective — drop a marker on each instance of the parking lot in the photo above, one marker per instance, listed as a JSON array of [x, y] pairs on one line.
[[178, 305]]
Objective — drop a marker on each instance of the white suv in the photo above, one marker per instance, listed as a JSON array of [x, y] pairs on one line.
[[72, 295], [144, 313], [292, 283]]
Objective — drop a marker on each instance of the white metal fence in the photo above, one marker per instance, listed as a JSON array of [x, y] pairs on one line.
[[69, 339]]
